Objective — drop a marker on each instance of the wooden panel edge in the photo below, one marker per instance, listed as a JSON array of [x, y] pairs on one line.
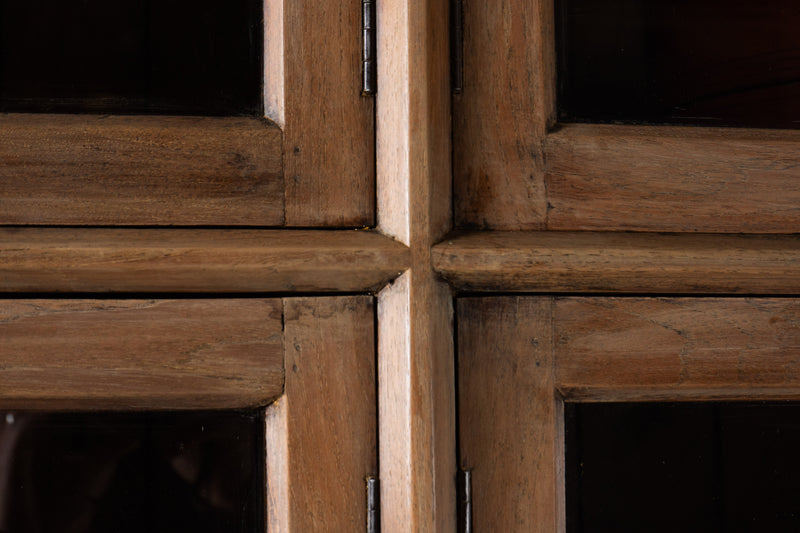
[[140, 170], [620, 262], [140, 354], [667, 178], [678, 348], [155, 260]]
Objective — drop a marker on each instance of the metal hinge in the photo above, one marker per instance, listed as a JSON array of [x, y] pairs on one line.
[[369, 84], [457, 45], [465, 501], [373, 505]]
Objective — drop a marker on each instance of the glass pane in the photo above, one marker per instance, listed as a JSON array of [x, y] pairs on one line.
[[701, 62], [131, 56], [691, 467], [132, 472]]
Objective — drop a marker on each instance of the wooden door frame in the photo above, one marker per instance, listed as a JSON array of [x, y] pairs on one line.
[[309, 360], [414, 199], [416, 401], [309, 162], [516, 168], [521, 357]]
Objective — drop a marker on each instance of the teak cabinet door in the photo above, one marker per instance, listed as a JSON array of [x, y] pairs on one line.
[[516, 167], [308, 160], [310, 362], [520, 358]]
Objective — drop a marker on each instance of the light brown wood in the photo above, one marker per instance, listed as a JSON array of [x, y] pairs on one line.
[[125, 260], [621, 262], [615, 349], [510, 419], [662, 178], [139, 170], [319, 450], [415, 354], [314, 50], [417, 405], [501, 117], [140, 354]]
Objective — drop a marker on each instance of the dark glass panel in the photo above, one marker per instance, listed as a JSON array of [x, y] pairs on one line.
[[700, 62], [131, 56], [690, 467], [199, 472]]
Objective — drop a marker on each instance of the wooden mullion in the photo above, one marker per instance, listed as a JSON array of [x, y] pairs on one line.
[[415, 339]]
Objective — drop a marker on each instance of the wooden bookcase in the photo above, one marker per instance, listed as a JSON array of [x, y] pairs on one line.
[[374, 233]]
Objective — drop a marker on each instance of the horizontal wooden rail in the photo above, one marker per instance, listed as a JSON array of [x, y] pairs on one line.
[[621, 262], [175, 260], [140, 354], [659, 178], [140, 170], [628, 349]]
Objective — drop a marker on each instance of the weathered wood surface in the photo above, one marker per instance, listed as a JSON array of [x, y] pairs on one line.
[[176, 260], [685, 179], [417, 403], [620, 262], [415, 354], [139, 170], [313, 90], [512, 171], [613, 349], [510, 420], [140, 354], [319, 449], [501, 116]]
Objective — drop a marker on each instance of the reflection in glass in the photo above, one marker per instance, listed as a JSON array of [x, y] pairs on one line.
[[688, 467], [194, 57], [131, 472], [699, 62]]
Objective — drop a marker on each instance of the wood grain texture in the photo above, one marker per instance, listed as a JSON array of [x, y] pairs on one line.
[[613, 349], [417, 405], [620, 262], [140, 354], [416, 377], [320, 450], [510, 419], [314, 50], [413, 124], [662, 178], [139, 170], [126, 260], [501, 117]]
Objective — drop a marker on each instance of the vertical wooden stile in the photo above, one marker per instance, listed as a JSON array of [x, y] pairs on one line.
[[510, 418], [321, 434]]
